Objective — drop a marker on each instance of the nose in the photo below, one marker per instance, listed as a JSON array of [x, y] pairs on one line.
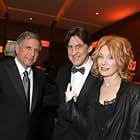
[[104, 61], [74, 50], [32, 52]]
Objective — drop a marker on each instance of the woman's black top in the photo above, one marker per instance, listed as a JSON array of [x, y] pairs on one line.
[[103, 113]]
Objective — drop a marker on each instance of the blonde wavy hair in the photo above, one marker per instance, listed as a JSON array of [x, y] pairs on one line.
[[121, 49]]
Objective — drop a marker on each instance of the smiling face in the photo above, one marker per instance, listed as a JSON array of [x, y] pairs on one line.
[[107, 64], [28, 51], [78, 51]]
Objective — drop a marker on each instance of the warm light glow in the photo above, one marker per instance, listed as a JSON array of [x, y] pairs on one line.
[[30, 18], [94, 44], [120, 13], [132, 65], [1, 49], [97, 13], [45, 43], [65, 6], [11, 41]]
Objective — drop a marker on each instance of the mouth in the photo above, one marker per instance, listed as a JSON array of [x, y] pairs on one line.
[[104, 69], [76, 57]]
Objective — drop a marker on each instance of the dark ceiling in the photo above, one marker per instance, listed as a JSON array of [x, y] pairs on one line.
[[91, 14]]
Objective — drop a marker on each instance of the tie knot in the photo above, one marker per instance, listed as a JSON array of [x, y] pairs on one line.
[[81, 70], [25, 73]]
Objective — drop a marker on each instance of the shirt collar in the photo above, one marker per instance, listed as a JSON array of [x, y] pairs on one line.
[[21, 68]]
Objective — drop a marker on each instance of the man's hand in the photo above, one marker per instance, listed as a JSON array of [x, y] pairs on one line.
[[69, 94]]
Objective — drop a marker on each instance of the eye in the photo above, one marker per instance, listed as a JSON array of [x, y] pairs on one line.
[[111, 57], [27, 48], [36, 50], [100, 56], [69, 46], [78, 46]]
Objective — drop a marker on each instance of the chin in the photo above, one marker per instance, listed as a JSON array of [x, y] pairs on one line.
[[104, 74], [77, 65], [29, 64]]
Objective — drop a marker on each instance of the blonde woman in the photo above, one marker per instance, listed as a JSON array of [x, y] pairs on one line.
[[116, 112]]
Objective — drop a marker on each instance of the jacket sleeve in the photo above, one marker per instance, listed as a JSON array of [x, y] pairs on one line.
[[71, 114], [134, 119]]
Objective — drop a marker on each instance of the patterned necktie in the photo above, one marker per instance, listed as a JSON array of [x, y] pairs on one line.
[[81, 70], [26, 84]]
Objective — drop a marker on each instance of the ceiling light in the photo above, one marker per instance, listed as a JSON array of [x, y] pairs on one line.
[[97, 13], [30, 18]]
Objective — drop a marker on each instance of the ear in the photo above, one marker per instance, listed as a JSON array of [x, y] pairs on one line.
[[90, 48]]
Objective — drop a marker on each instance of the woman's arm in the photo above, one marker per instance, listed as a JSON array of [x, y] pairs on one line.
[[134, 119]]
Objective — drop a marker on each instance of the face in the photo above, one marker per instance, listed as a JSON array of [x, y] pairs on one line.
[[106, 63], [27, 54], [78, 52]]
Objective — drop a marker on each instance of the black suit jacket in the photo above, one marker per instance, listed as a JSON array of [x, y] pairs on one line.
[[71, 124], [124, 124], [16, 123]]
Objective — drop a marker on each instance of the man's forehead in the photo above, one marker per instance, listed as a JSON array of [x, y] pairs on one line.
[[75, 40]]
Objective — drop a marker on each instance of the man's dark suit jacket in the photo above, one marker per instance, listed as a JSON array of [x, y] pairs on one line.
[[124, 124], [16, 123], [67, 127]]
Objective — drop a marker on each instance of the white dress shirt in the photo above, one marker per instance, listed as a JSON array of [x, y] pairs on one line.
[[78, 79], [30, 75]]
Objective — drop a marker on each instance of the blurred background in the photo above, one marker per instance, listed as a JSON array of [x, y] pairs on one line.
[[52, 18]]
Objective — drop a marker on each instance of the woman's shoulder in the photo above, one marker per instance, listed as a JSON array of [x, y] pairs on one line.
[[133, 86], [133, 90], [130, 85]]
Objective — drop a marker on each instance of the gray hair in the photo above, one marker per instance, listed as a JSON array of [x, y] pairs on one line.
[[27, 34], [10, 49]]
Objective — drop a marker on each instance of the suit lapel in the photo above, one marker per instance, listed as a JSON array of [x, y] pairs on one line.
[[15, 78], [67, 79], [35, 89], [90, 81], [63, 81]]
